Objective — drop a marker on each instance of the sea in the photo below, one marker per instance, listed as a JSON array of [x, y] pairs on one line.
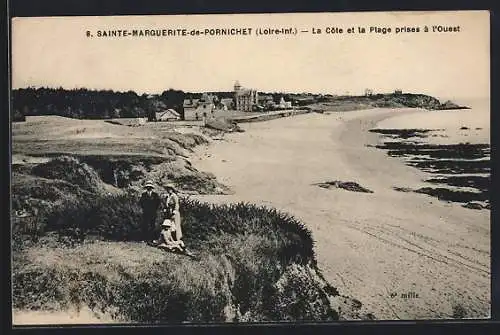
[[452, 146]]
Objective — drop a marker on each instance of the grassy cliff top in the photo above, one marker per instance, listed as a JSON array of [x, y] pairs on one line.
[[389, 100]]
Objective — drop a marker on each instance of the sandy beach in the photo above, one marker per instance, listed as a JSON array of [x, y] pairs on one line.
[[403, 255]]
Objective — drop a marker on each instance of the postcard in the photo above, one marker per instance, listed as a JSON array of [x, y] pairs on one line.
[[249, 168]]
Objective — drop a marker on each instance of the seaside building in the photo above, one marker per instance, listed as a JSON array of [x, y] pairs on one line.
[[266, 100], [200, 109], [285, 104], [168, 115], [246, 99], [227, 103]]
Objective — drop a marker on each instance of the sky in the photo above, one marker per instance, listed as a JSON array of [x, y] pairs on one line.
[[55, 52]]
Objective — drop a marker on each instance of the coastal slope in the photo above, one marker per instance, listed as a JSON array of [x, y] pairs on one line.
[[404, 255], [77, 249]]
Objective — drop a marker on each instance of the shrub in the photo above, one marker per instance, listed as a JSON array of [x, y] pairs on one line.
[[202, 220], [298, 297], [71, 170], [44, 284], [118, 218], [114, 218], [245, 253], [17, 116]]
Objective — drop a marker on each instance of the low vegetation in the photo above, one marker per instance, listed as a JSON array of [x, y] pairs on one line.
[[255, 264], [76, 241], [76, 244]]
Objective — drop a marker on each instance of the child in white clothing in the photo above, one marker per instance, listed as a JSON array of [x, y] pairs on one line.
[[167, 234]]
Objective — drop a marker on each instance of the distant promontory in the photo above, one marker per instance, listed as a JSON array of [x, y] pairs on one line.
[[388, 100]]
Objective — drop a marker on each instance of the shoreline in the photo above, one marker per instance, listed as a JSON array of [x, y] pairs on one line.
[[400, 243]]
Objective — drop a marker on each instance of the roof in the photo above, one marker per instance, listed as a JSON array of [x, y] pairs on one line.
[[167, 113]]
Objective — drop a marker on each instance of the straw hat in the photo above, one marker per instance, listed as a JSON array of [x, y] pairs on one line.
[[166, 223], [171, 186], [149, 183]]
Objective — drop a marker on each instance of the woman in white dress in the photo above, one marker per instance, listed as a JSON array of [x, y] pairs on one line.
[[171, 210]]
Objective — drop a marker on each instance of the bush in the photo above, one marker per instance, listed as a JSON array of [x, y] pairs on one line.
[[115, 218], [118, 218], [17, 116], [298, 297], [245, 253], [71, 170]]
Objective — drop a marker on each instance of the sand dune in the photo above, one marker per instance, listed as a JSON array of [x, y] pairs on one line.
[[404, 255]]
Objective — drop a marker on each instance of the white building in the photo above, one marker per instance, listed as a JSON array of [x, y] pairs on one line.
[[245, 99]]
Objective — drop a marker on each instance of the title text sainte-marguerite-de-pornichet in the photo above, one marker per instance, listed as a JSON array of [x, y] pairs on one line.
[[170, 32], [179, 32]]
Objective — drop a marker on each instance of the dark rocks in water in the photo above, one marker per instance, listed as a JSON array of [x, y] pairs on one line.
[[481, 183], [402, 189], [474, 205], [403, 133], [460, 150], [451, 166], [452, 195], [457, 162], [346, 185]]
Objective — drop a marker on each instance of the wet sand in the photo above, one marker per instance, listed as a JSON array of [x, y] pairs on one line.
[[403, 255]]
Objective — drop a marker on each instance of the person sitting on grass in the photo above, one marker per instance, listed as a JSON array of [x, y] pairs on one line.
[[167, 238]]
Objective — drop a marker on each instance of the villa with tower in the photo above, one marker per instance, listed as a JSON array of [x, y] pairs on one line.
[[245, 99]]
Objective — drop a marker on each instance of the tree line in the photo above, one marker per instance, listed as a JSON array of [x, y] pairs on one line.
[[83, 103]]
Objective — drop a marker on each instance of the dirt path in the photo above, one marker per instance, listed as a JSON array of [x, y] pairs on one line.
[[404, 255]]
